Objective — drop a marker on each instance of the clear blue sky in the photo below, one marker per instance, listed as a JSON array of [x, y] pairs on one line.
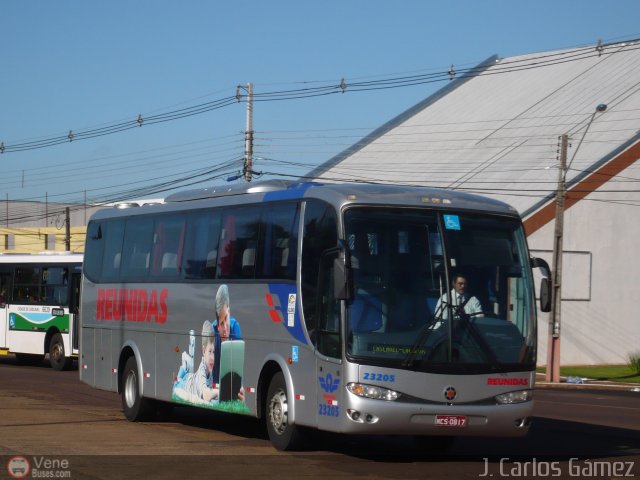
[[76, 65]]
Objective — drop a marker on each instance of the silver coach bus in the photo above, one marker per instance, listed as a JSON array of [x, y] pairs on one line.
[[333, 306]]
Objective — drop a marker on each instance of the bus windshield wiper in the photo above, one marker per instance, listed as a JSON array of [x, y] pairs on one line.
[[423, 336], [466, 323]]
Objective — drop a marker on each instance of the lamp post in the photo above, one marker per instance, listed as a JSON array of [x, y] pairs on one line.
[[553, 353]]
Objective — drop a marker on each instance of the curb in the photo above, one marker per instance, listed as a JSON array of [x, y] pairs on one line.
[[588, 384], [624, 387]]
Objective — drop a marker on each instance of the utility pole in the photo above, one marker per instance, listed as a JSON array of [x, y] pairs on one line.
[[67, 233], [248, 136], [553, 353]]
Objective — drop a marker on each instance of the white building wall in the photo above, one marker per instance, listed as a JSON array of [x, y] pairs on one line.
[[604, 328]]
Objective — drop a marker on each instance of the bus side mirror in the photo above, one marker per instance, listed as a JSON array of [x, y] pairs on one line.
[[342, 283], [342, 277], [545, 295], [542, 265], [545, 283]]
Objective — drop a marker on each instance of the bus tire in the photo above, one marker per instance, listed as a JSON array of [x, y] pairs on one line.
[[135, 407], [57, 357], [283, 434]]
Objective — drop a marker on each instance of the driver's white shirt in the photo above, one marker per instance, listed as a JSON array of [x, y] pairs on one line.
[[472, 307]]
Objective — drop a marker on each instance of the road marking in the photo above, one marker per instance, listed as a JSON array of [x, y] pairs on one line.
[[588, 405]]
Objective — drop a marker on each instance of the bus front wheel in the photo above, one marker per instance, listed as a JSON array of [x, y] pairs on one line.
[[134, 405], [283, 434], [57, 356]]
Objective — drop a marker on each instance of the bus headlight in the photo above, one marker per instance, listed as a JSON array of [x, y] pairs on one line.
[[373, 391], [515, 397]]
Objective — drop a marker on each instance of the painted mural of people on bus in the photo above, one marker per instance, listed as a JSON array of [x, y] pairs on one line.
[[198, 387], [218, 381]]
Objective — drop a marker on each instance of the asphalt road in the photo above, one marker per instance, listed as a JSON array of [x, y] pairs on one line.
[[65, 429]]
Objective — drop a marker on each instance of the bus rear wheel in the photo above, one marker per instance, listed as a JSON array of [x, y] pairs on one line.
[[135, 407], [57, 356], [283, 434]]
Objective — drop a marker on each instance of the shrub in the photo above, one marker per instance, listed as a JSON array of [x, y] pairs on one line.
[[634, 362]]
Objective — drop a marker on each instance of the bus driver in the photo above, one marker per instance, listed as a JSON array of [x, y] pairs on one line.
[[459, 300]]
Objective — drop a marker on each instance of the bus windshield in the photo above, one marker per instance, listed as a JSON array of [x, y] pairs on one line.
[[439, 292]]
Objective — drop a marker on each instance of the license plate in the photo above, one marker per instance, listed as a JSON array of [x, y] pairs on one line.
[[451, 421]]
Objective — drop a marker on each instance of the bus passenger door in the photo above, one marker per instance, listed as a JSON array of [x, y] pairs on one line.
[[328, 349], [5, 289], [74, 309]]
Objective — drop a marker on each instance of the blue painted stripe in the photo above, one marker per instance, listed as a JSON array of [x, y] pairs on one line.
[[295, 191], [283, 292]]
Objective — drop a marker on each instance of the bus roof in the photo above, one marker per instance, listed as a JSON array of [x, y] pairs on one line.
[[49, 257], [338, 194]]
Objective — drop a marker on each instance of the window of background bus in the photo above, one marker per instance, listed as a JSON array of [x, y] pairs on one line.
[[55, 282], [27, 285], [320, 234]]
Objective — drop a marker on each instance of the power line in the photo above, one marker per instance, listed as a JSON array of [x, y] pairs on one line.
[[167, 184], [508, 66]]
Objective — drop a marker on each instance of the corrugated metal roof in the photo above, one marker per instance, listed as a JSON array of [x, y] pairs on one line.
[[24, 214], [497, 133]]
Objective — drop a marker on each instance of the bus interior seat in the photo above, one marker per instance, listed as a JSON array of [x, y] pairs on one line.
[[248, 261], [366, 312], [169, 263], [282, 246], [432, 303], [210, 264], [116, 261], [285, 257]]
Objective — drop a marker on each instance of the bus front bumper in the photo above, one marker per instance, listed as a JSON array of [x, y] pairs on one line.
[[367, 416]]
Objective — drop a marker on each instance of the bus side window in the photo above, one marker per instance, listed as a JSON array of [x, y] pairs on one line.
[[113, 233], [238, 243], [280, 241], [94, 250], [201, 245], [55, 285], [136, 248], [5, 288], [27, 285], [168, 240]]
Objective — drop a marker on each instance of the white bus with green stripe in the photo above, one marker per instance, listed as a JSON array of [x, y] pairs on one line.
[[39, 301]]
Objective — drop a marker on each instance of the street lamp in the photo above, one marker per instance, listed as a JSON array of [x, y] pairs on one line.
[[553, 353]]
